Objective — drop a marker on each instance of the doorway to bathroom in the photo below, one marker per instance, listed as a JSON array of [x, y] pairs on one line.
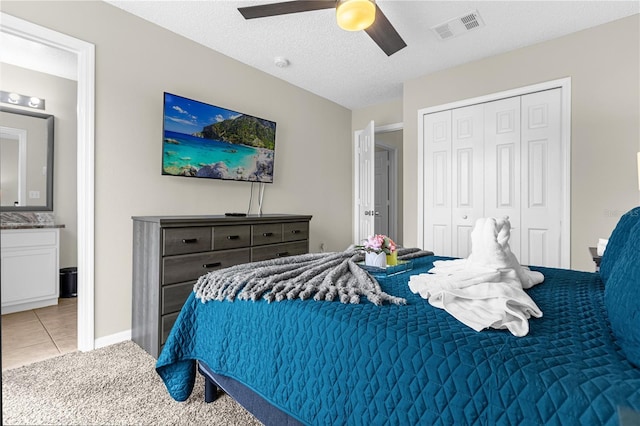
[[84, 70]]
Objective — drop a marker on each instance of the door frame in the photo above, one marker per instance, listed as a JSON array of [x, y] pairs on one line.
[[85, 54], [393, 212], [565, 140]]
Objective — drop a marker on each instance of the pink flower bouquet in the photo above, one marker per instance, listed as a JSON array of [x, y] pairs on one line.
[[379, 244]]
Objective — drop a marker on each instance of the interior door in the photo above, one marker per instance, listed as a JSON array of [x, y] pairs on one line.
[[437, 182], [365, 183], [382, 198], [542, 178], [503, 165], [467, 186]]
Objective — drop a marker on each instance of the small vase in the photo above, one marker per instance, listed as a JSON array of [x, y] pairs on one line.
[[392, 259], [375, 259]]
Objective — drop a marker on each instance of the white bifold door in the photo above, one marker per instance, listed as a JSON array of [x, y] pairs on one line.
[[496, 159]]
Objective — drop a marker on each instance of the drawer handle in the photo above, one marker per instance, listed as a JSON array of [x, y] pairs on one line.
[[295, 231], [283, 254], [267, 234], [190, 240], [211, 265], [233, 237]]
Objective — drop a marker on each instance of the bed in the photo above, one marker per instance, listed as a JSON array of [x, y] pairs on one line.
[[329, 363]]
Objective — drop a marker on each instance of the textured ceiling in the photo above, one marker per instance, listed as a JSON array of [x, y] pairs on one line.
[[349, 68]]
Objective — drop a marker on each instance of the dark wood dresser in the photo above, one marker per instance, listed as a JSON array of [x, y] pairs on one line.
[[171, 252]]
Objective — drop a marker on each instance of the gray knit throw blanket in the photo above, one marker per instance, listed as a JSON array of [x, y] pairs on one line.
[[323, 276]]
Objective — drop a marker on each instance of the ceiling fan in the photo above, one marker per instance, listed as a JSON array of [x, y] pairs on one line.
[[352, 15]]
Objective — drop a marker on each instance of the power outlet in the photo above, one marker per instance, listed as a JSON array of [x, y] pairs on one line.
[[34, 195]]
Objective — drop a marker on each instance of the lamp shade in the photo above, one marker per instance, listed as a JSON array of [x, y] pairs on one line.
[[355, 15]]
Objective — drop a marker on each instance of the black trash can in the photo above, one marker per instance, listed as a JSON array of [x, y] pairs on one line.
[[69, 282]]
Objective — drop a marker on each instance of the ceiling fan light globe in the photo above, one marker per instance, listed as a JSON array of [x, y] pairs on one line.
[[355, 15]]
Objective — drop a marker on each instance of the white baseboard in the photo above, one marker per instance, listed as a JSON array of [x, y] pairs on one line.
[[112, 339], [27, 306]]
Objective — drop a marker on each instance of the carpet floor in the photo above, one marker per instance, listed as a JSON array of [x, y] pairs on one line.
[[115, 385]]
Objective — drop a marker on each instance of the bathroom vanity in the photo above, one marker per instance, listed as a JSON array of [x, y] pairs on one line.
[[30, 261], [30, 239]]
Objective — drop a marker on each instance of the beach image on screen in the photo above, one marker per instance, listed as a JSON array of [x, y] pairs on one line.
[[202, 140]]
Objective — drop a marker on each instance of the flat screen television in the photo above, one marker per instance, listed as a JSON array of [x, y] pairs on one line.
[[207, 141]]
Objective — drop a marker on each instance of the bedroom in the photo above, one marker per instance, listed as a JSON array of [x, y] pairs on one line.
[[129, 80]]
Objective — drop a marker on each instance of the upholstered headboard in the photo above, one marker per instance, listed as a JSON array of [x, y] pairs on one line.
[[621, 275], [617, 242]]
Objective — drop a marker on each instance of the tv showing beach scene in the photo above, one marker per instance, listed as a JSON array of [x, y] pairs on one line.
[[206, 141]]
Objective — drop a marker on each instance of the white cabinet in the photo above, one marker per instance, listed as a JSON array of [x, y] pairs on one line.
[[30, 260]]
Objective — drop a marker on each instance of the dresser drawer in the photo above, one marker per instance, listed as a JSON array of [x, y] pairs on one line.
[[266, 234], [226, 237], [296, 231], [186, 240], [174, 296], [278, 250], [188, 267]]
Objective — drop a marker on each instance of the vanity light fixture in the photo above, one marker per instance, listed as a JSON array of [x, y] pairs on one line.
[[21, 100]]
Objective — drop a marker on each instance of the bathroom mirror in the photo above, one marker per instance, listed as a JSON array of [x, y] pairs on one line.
[[26, 160]]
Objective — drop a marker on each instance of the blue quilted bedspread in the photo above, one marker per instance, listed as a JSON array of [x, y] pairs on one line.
[[328, 363]]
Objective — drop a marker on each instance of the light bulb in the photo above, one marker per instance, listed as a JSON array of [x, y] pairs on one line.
[[355, 15], [34, 102]]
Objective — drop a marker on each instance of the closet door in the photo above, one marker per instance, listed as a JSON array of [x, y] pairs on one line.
[[467, 184], [437, 182], [542, 184], [502, 165], [497, 159]]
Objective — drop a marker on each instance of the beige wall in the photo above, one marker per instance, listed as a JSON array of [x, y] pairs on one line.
[[135, 63], [60, 101], [604, 66], [383, 114]]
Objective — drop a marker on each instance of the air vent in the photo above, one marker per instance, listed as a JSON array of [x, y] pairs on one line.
[[457, 26]]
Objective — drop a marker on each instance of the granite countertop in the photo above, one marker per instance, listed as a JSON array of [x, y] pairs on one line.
[[27, 220]]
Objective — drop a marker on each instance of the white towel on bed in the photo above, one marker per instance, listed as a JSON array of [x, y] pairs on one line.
[[486, 289]]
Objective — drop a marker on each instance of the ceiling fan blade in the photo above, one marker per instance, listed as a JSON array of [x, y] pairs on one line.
[[385, 36], [283, 8]]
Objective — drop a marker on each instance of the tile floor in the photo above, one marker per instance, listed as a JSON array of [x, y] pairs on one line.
[[38, 334]]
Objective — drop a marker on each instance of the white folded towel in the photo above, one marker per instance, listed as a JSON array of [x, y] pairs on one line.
[[486, 289]]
